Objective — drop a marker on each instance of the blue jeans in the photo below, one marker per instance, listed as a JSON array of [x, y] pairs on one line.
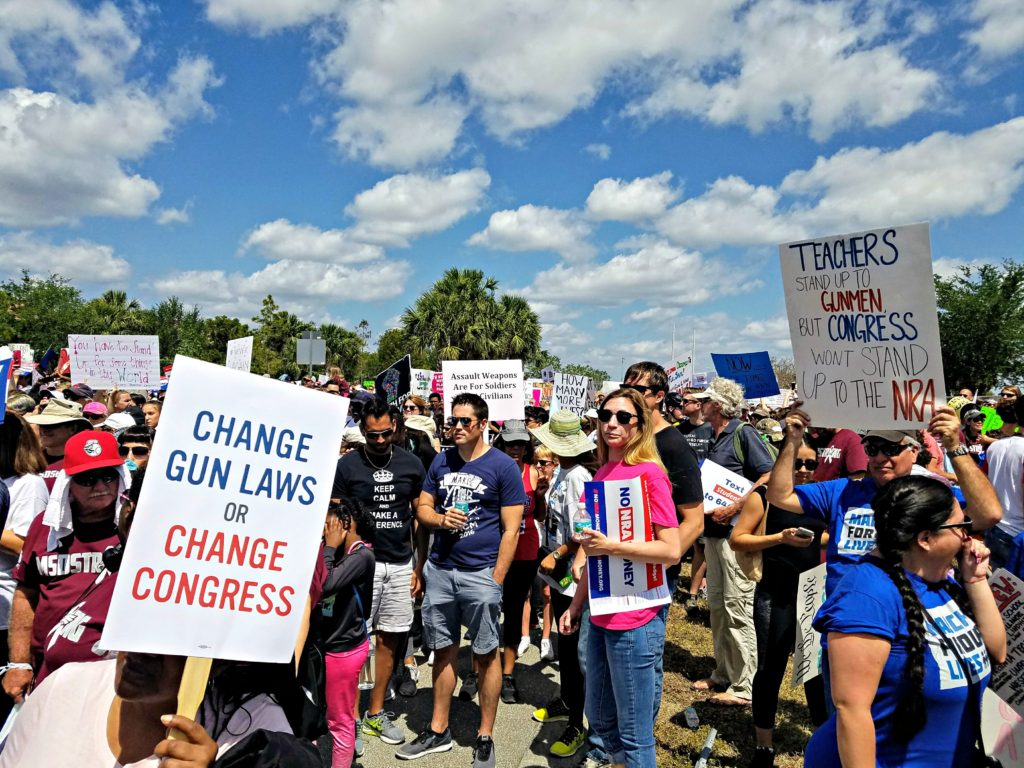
[[595, 746], [622, 689]]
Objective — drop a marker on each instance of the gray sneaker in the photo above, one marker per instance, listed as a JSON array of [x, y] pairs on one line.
[[427, 743], [380, 725], [469, 687], [594, 761], [483, 753]]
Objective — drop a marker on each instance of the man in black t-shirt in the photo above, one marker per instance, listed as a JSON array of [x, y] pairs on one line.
[[387, 479], [698, 433]]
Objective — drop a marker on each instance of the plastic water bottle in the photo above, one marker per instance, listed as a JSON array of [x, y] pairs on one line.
[[690, 716], [580, 522], [462, 507]]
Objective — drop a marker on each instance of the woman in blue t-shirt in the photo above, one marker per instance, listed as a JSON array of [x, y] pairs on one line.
[[909, 647]]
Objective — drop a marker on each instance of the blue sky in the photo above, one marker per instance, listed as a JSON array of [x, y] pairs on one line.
[[626, 166]]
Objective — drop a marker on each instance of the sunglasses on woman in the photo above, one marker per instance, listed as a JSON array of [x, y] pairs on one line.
[[134, 450], [410, 409], [889, 449], [811, 464], [543, 462], [966, 525], [623, 417], [89, 479]]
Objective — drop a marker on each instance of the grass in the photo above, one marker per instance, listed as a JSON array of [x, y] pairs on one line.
[[689, 656]]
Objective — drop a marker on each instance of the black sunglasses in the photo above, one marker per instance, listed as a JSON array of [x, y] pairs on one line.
[[384, 433], [463, 420], [543, 462], [966, 525], [408, 408], [1007, 394], [643, 389], [889, 449], [811, 464], [623, 417], [89, 479], [134, 450]]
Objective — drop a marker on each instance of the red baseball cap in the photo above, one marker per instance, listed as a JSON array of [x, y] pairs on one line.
[[91, 450]]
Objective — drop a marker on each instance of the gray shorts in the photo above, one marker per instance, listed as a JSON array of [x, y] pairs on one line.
[[392, 600], [455, 598]]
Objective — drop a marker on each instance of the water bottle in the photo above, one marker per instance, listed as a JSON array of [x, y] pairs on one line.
[[463, 508], [366, 673], [580, 522], [690, 716]]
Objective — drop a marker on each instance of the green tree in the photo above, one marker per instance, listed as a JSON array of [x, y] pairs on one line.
[[517, 335], [981, 324], [343, 347], [180, 329], [219, 331], [597, 377], [40, 311], [785, 371], [115, 313], [533, 366]]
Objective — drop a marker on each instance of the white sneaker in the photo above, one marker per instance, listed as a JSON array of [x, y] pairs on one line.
[[524, 645], [547, 650], [430, 659]]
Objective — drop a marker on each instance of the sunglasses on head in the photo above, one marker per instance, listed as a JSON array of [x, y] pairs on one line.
[[134, 450], [465, 421], [623, 417], [383, 434], [811, 464], [889, 449], [966, 525], [89, 479]]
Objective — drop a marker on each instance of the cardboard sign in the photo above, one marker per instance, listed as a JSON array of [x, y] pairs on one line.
[[498, 382], [722, 486], [6, 362], [864, 326], [121, 362], [240, 354], [574, 393], [394, 383], [753, 371], [621, 510], [421, 379], [810, 594], [228, 526]]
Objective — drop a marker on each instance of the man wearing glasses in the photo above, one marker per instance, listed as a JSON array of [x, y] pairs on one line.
[[473, 498], [698, 433], [387, 479]]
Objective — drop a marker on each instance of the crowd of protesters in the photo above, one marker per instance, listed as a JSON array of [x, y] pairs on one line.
[[441, 530]]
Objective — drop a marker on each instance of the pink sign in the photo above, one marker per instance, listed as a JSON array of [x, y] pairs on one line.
[[436, 384]]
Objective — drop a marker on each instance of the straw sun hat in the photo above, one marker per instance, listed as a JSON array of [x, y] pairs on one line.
[[563, 434]]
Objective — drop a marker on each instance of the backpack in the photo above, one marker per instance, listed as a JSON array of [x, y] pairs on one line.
[[737, 445]]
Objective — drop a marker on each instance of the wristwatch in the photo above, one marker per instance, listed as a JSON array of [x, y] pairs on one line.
[[960, 450]]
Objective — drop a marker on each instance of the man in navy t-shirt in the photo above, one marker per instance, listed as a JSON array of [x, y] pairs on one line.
[[473, 497]]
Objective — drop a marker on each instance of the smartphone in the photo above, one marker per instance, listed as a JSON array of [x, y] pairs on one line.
[[805, 533]]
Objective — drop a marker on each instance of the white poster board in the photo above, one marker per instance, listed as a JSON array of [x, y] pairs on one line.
[[498, 382], [421, 379], [574, 393], [1003, 730], [27, 354], [620, 509], [240, 354], [722, 486], [226, 534], [810, 594], [108, 362], [1003, 702], [865, 329]]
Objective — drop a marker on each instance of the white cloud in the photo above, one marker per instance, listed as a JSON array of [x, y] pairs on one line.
[[564, 339], [536, 228], [604, 325], [281, 239], [265, 16], [636, 200], [600, 151], [403, 207], [78, 260], [653, 313], [948, 267], [183, 215], [1000, 30]]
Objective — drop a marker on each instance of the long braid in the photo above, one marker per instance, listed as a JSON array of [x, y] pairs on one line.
[[912, 713]]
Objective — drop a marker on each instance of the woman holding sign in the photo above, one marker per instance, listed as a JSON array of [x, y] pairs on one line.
[[909, 647], [624, 649]]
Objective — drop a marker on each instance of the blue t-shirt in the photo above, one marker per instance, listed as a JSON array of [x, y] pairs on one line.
[[845, 505], [488, 483], [868, 602]]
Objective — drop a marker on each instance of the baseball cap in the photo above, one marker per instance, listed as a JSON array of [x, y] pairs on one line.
[[98, 408], [118, 421], [891, 435], [58, 412], [513, 430], [91, 450], [83, 390]]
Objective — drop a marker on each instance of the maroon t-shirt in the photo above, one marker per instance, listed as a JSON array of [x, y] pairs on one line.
[[61, 576], [843, 456], [52, 470], [76, 635]]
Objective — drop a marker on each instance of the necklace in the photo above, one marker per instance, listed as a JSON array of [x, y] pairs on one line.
[[391, 455]]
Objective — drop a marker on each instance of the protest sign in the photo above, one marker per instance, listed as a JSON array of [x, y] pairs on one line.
[[610, 386], [240, 354], [1008, 678], [753, 371], [421, 379], [571, 392], [864, 326], [1003, 730], [810, 594], [6, 361], [394, 383], [437, 384], [228, 525], [24, 354], [124, 362], [722, 486], [621, 510], [64, 363], [498, 382]]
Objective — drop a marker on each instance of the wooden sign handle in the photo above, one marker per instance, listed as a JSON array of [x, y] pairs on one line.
[[191, 690]]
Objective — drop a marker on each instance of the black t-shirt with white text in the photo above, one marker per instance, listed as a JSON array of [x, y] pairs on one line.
[[697, 437], [388, 492]]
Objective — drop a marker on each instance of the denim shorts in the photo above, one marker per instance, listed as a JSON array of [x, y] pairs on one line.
[[454, 598], [392, 600]]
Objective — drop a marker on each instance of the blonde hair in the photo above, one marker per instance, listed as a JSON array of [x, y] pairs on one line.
[[541, 451], [641, 447]]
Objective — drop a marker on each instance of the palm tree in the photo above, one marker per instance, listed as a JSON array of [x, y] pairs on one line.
[[115, 313], [519, 333]]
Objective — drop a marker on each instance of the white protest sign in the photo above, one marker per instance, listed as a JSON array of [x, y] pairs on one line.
[[571, 392], [864, 326], [27, 354], [226, 534], [240, 354], [722, 486], [1007, 679], [1003, 730], [810, 594], [498, 382], [124, 362], [620, 509], [421, 379]]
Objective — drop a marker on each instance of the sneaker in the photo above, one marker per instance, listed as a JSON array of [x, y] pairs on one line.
[[509, 693], [702, 594], [692, 606], [524, 645], [360, 742], [569, 743], [547, 650], [764, 757], [407, 681], [430, 659], [380, 725], [483, 753], [469, 687], [427, 743], [553, 712], [594, 760]]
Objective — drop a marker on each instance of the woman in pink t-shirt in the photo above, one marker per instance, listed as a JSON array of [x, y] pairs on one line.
[[624, 650]]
